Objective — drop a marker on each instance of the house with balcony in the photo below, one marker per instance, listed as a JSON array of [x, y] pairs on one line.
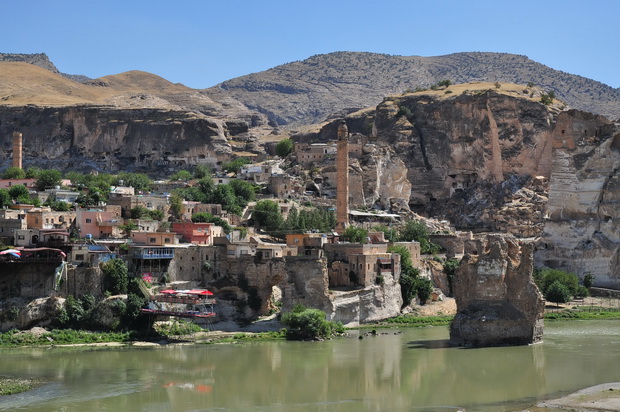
[[154, 238], [98, 223], [52, 238]]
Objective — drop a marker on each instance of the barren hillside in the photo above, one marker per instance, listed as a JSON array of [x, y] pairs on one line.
[[308, 91]]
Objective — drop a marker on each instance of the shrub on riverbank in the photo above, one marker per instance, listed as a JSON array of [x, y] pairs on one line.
[[303, 324], [14, 337]]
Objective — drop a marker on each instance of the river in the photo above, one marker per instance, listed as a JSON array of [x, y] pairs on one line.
[[398, 370]]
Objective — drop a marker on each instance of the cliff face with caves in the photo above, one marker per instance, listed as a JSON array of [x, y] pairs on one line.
[[85, 138], [582, 234], [462, 157]]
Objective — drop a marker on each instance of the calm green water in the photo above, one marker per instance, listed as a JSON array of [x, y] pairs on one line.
[[412, 371]]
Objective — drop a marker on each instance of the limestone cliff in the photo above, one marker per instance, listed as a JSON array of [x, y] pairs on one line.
[[84, 138], [497, 300], [581, 234], [462, 153]]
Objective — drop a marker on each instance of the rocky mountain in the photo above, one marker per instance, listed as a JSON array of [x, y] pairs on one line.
[[310, 90]]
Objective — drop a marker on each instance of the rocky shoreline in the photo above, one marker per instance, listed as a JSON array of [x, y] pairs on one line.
[[604, 397]]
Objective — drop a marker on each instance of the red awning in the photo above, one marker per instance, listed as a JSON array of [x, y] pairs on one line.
[[170, 291], [199, 292]]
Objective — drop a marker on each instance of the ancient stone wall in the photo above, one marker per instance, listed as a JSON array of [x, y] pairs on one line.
[[497, 300], [582, 233]]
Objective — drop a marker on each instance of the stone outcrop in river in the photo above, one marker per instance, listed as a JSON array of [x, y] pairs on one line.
[[498, 302], [582, 233]]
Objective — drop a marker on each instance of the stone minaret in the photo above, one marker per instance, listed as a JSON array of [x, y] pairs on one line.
[[17, 149], [342, 171]]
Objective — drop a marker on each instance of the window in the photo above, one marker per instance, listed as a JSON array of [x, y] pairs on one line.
[[152, 240], [166, 240], [20, 237], [89, 220], [79, 257]]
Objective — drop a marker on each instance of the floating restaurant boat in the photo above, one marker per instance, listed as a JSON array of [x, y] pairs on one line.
[[190, 303]]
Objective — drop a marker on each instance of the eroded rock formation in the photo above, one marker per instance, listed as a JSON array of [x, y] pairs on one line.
[[84, 138], [582, 233], [463, 157], [498, 302]]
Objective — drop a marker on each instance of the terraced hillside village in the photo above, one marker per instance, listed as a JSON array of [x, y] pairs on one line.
[[454, 146]]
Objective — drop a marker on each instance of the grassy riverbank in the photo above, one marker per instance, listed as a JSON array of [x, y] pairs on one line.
[[15, 338], [584, 313]]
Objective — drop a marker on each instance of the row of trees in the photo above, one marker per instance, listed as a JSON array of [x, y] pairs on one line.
[[267, 216]]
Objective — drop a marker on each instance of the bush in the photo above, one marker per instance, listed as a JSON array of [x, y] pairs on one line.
[[423, 289], [115, 276], [558, 293], [303, 323], [546, 277], [588, 280], [284, 147], [355, 234]]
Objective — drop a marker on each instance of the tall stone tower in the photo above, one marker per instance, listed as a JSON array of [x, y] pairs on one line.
[[342, 181], [17, 149]]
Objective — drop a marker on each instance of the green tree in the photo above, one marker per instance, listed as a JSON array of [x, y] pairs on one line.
[[48, 178], [140, 212], [202, 217], [558, 293], [234, 166], [449, 268], [60, 206], [176, 205], [546, 277], [355, 234], [225, 196], [267, 215], [411, 285], [14, 173], [33, 172], [202, 171], [156, 214], [139, 181], [244, 191], [303, 323], [19, 192], [182, 175], [284, 147], [588, 280], [128, 227], [5, 198], [423, 289], [417, 231], [115, 276]]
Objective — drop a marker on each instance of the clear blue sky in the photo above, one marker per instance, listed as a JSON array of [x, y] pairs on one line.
[[203, 42]]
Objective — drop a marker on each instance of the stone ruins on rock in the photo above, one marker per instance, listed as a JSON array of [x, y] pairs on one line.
[[498, 302]]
